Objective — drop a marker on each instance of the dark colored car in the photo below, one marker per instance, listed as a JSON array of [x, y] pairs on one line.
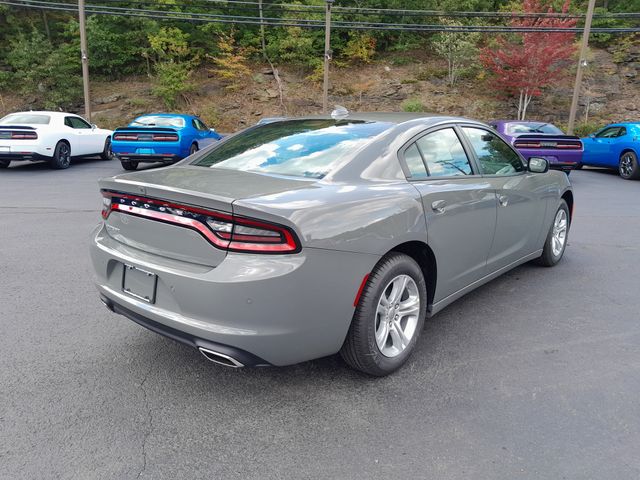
[[540, 139]]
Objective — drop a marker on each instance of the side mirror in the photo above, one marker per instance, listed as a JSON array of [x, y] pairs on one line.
[[93, 125], [592, 135], [213, 130], [538, 165]]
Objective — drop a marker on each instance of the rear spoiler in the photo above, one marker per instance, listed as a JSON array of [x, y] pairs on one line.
[[147, 129], [15, 127], [546, 136]]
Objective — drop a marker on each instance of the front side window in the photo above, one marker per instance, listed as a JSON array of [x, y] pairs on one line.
[[443, 154], [76, 122], [610, 132], [301, 148], [199, 125], [494, 155]]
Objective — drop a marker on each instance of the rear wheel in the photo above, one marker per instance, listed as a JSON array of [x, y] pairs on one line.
[[129, 164], [61, 156], [389, 317], [106, 151], [628, 166], [578, 166], [193, 149], [4, 163], [556, 241]]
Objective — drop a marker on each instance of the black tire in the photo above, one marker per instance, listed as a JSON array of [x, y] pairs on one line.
[[628, 167], [61, 156], [548, 257], [129, 164], [578, 166], [4, 163], [193, 149], [360, 349], [106, 151]]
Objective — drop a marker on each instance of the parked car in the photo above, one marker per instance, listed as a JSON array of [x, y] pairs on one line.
[[539, 139], [301, 238], [53, 137], [161, 137], [615, 146]]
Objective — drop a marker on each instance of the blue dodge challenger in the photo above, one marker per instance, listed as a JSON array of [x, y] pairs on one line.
[[161, 137], [615, 146]]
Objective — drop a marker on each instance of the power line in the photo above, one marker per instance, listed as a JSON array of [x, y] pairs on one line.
[[303, 23]]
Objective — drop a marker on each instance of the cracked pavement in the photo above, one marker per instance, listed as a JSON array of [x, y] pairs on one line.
[[535, 375]]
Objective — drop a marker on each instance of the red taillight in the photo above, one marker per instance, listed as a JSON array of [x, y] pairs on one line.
[[222, 230], [24, 136], [164, 137], [527, 145], [125, 136], [570, 145]]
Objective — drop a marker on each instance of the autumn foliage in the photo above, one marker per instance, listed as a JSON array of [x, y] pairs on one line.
[[524, 63]]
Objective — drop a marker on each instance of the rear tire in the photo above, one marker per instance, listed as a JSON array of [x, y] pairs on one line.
[[107, 154], [4, 163], [129, 164], [386, 327], [194, 148], [578, 166], [628, 167], [557, 237], [61, 156]]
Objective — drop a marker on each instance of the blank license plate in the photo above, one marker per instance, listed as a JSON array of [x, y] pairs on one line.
[[139, 283]]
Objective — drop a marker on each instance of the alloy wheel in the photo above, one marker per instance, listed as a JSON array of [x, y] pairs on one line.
[[559, 236], [397, 315], [626, 165]]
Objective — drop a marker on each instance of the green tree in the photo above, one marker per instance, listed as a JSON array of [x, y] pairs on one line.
[[459, 49]]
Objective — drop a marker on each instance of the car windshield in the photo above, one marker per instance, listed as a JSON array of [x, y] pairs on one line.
[[302, 148], [518, 128], [28, 118], [158, 121]]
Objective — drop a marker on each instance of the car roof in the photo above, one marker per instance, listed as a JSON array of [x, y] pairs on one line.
[[181, 115], [45, 112]]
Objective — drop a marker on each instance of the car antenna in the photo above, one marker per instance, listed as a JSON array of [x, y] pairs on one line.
[[339, 112]]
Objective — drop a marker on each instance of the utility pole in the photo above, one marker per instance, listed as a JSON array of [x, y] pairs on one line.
[[327, 54], [582, 62], [85, 60]]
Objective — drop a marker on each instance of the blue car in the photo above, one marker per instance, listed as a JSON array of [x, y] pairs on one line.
[[161, 137], [615, 146]]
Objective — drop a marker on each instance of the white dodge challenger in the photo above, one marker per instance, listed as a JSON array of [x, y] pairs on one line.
[[53, 137]]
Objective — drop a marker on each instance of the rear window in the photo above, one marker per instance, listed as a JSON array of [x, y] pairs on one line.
[[301, 148], [518, 128], [28, 118], [157, 121]]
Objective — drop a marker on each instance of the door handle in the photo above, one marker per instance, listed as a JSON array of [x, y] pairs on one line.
[[504, 200], [438, 206]]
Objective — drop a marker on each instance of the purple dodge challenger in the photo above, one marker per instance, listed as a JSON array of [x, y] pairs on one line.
[[539, 139]]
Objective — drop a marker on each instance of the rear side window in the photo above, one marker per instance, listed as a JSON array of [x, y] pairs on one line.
[[414, 161], [443, 154], [302, 148], [494, 155], [198, 125]]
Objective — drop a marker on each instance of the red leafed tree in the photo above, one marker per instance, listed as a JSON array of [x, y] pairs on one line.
[[525, 63]]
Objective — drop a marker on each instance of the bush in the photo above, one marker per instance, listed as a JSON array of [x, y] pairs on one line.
[[412, 105], [172, 82], [52, 75], [360, 48], [230, 62]]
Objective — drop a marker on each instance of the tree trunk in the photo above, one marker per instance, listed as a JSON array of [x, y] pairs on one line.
[[262, 41]]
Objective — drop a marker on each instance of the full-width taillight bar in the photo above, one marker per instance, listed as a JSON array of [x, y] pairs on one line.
[[223, 230], [24, 136]]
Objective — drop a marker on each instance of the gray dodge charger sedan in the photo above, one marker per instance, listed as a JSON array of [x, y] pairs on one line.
[[300, 238]]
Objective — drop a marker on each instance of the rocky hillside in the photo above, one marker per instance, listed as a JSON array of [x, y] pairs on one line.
[[393, 82]]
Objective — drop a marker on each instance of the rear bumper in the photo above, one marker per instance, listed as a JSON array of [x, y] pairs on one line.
[[24, 156], [276, 310], [142, 158], [558, 160]]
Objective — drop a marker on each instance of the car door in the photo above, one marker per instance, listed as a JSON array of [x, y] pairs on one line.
[[205, 135], [459, 206], [600, 146], [82, 141], [521, 197]]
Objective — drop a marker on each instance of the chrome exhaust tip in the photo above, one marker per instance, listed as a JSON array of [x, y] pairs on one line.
[[220, 358]]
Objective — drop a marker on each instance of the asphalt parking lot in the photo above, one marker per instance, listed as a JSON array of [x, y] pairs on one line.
[[535, 375]]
